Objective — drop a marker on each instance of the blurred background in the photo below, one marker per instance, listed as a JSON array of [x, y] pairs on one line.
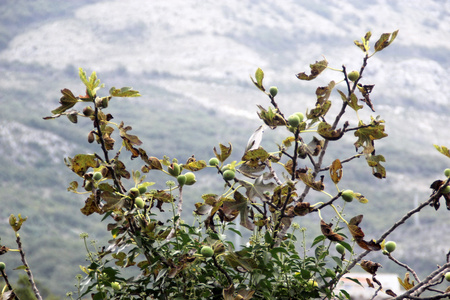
[[191, 61]]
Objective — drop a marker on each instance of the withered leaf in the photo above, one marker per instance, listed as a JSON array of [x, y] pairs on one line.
[[329, 233], [316, 69], [336, 171], [406, 283], [327, 132], [391, 293], [302, 208], [370, 266], [306, 176], [91, 206]]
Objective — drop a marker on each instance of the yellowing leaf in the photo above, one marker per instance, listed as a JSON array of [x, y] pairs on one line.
[[336, 171], [225, 152], [442, 149], [124, 92]]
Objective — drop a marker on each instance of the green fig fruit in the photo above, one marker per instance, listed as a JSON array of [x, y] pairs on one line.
[[142, 189], [447, 276], [353, 75], [294, 120], [214, 161], [447, 172], [390, 246], [116, 286], [134, 192], [347, 195], [273, 90], [2, 266], [300, 115], [207, 251], [228, 175], [139, 202], [88, 111], [446, 190], [340, 249], [190, 178], [181, 180], [88, 186], [97, 176], [174, 169]]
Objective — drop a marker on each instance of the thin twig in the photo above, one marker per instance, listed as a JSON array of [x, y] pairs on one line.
[[179, 210], [404, 266], [27, 268]]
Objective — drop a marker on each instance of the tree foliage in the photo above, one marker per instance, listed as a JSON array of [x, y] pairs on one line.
[[155, 255]]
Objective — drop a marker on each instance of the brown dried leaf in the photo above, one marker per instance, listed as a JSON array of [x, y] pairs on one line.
[[336, 171], [370, 266], [328, 232]]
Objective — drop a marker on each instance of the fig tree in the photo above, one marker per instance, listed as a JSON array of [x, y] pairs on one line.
[[294, 120], [97, 176], [229, 175], [340, 249], [207, 251], [190, 178], [139, 202], [447, 172], [181, 180], [390, 246], [213, 161], [353, 75], [347, 195], [273, 91], [2, 266]]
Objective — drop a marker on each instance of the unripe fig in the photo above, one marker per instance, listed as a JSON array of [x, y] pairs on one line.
[[207, 251], [446, 190], [116, 286], [213, 161], [142, 189], [134, 192], [273, 91], [105, 102], [88, 111], [353, 75], [2, 266], [226, 167], [174, 169], [390, 246], [294, 120], [88, 186], [190, 178], [181, 180], [228, 175], [347, 195], [139, 202], [97, 176], [91, 137], [98, 102], [300, 115], [447, 276], [340, 249], [73, 117], [447, 172]]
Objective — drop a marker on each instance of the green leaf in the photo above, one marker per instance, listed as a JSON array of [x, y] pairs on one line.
[[353, 102], [384, 40], [316, 69], [442, 149], [124, 92], [259, 75], [377, 169], [325, 130], [92, 83], [67, 101]]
